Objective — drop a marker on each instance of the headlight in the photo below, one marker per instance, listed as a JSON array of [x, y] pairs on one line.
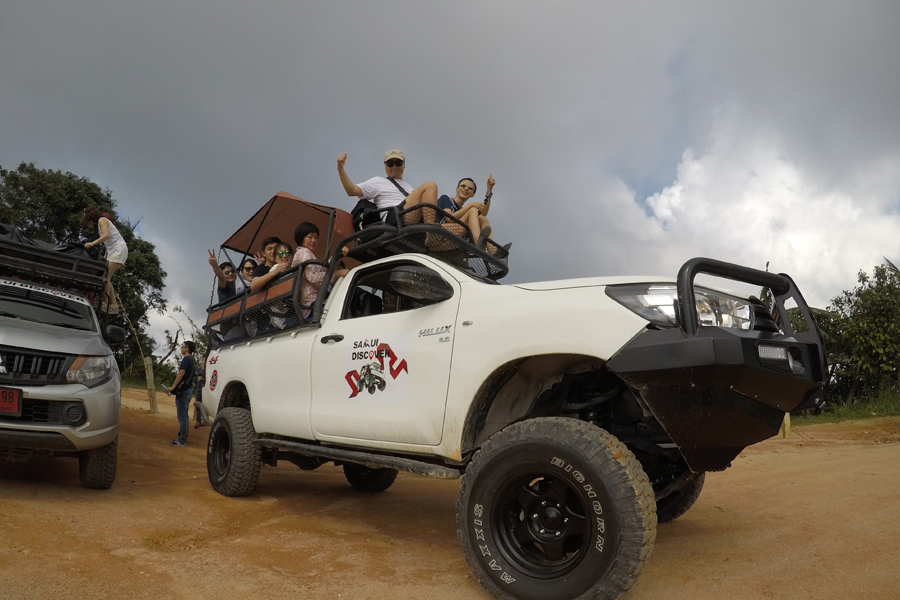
[[656, 303], [91, 370]]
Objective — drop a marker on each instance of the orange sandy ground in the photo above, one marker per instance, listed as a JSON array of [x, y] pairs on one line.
[[815, 516]]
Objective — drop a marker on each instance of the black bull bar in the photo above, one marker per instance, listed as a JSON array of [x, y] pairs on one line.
[[708, 386]]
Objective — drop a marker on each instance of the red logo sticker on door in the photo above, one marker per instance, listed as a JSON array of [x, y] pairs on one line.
[[371, 376]]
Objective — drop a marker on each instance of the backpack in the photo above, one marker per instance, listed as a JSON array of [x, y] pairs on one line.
[[365, 213]]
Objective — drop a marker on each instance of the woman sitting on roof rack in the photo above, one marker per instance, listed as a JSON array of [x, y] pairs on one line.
[[116, 252], [307, 237], [474, 215]]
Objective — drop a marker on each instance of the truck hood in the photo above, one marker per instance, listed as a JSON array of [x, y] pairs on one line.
[[562, 284], [49, 338]]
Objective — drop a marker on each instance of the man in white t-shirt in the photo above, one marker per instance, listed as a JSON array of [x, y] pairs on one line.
[[386, 194]]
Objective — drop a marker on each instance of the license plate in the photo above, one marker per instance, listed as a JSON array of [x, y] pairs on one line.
[[10, 402]]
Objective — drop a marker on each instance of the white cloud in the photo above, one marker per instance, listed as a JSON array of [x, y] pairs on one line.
[[745, 201]]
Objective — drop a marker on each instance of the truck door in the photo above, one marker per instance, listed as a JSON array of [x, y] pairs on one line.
[[381, 366]]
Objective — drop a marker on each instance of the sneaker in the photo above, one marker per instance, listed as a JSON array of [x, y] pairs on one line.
[[484, 237], [177, 443]]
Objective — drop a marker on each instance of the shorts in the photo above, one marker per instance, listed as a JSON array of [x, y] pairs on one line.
[[119, 254], [390, 215]]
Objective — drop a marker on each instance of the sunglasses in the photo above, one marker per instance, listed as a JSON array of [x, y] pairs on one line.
[[394, 162], [282, 253], [248, 269], [467, 187], [227, 271]]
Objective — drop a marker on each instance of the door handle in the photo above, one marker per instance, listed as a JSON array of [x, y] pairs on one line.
[[334, 337]]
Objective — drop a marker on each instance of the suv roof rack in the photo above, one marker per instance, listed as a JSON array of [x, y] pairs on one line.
[[67, 265], [450, 242]]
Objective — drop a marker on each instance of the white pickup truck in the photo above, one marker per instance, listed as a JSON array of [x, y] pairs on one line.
[[578, 413]]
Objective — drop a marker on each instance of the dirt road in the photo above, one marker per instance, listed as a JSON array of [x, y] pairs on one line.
[[815, 516]]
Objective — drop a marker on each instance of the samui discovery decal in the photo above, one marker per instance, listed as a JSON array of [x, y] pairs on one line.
[[372, 373]]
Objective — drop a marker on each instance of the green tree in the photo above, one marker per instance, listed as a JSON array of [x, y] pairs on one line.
[[48, 205], [866, 334]]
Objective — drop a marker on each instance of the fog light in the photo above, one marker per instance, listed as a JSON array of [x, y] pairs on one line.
[[772, 352], [74, 414]]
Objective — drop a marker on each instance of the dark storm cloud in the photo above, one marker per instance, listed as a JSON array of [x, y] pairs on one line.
[[195, 113]]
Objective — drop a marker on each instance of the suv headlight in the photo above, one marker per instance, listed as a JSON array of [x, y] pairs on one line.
[[91, 371], [656, 303]]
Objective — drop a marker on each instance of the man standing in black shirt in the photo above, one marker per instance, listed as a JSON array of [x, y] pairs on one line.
[[182, 388]]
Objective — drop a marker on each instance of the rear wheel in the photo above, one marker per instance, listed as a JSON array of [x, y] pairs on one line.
[[555, 508], [677, 503], [367, 479], [97, 467], [232, 459]]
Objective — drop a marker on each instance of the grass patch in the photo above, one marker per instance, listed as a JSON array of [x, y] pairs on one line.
[[885, 404]]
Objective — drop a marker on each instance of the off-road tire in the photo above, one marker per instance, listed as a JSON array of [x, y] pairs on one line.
[[233, 461], [367, 479], [381, 385], [677, 503], [555, 508], [97, 467]]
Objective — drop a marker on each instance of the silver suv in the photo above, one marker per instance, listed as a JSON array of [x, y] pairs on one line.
[[59, 383]]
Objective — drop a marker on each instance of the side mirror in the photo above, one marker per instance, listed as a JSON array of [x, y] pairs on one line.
[[114, 335], [420, 283]]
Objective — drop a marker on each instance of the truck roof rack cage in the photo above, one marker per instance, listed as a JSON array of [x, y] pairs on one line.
[[450, 242], [67, 265], [250, 315]]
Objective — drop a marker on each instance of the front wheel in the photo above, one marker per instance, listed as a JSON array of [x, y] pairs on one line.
[[232, 459], [97, 467], [555, 508]]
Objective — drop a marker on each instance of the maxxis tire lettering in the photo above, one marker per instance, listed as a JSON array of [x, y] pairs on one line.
[[600, 554]]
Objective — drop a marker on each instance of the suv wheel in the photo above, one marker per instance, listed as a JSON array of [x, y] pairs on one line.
[[367, 479], [232, 459], [555, 508], [677, 503], [97, 467]]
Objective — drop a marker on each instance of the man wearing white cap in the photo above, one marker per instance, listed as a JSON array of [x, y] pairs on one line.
[[388, 192]]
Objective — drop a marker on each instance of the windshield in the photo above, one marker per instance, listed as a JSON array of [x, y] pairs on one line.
[[28, 302]]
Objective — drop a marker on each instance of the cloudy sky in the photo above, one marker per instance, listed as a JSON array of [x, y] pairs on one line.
[[625, 138]]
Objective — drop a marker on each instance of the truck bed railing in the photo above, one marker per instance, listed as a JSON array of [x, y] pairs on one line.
[[251, 315], [450, 242]]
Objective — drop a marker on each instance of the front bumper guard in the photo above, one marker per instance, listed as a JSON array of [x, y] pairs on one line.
[[708, 387]]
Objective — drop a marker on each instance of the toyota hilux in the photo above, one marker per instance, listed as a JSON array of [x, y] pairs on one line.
[[578, 414]]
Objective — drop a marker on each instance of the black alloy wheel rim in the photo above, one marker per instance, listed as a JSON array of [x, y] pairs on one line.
[[221, 451], [542, 524]]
